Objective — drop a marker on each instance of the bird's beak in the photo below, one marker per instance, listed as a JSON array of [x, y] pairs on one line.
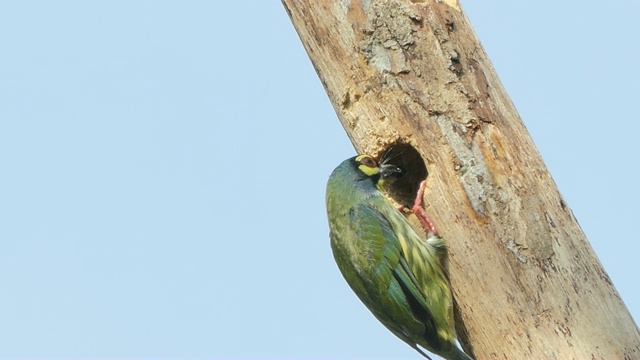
[[389, 171]]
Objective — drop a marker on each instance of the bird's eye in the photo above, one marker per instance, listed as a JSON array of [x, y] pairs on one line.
[[367, 161], [367, 165]]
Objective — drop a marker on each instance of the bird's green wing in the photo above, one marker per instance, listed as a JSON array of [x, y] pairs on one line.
[[392, 289]]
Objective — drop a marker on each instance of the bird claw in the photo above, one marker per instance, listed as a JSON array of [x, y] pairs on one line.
[[417, 209]]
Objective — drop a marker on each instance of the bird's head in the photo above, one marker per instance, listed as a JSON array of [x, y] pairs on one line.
[[369, 168]]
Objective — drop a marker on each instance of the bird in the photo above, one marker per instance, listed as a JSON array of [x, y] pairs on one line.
[[398, 275]]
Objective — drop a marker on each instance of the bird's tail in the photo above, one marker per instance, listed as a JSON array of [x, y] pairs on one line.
[[456, 354]]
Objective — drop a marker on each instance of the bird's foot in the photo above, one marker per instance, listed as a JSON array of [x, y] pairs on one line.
[[417, 209]]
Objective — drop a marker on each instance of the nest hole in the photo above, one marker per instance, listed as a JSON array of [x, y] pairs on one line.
[[404, 189]]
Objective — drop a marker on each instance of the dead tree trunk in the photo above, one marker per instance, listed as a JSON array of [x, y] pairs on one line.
[[412, 74]]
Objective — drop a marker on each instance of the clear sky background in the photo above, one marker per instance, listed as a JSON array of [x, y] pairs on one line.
[[163, 166]]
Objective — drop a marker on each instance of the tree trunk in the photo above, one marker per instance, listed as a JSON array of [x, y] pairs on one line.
[[412, 76]]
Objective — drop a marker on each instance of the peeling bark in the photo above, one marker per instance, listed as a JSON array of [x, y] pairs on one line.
[[526, 280]]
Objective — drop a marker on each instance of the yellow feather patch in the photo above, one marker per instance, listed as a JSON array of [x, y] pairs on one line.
[[367, 165]]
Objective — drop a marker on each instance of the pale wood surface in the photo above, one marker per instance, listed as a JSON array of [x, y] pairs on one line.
[[527, 282]]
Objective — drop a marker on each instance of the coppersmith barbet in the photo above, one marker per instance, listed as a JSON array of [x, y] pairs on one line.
[[397, 274]]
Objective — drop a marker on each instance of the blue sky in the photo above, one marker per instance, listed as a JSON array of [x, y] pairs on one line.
[[164, 164]]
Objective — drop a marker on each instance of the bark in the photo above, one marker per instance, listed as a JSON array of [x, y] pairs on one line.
[[413, 75]]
